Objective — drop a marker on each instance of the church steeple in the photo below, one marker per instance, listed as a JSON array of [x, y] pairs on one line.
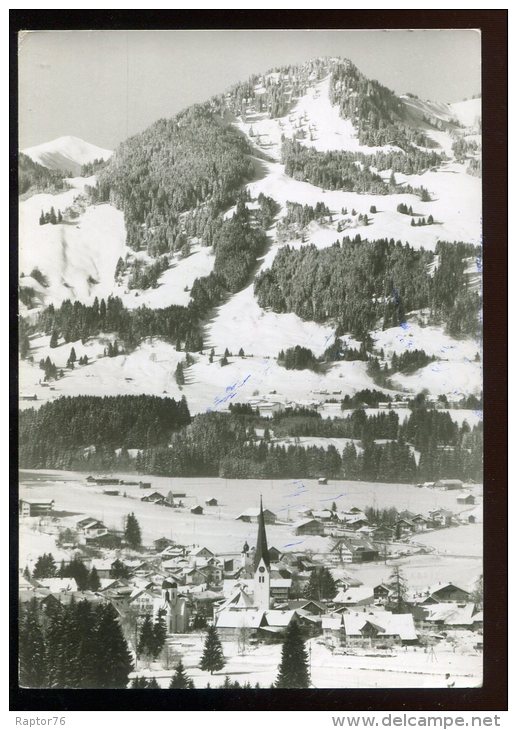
[[261, 553]]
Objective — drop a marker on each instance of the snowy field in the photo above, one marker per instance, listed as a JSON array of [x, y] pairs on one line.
[[218, 527], [411, 667]]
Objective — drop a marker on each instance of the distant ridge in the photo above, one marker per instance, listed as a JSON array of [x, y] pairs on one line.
[[67, 154]]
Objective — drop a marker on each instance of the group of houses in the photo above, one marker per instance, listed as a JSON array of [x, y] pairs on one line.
[[255, 595]]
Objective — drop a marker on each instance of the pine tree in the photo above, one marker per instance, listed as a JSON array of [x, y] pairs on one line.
[[45, 567], [180, 679], [59, 216], [72, 357], [212, 659], [54, 339], [132, 532], [241, 352], [52, 216], [139, 683], [94, 583], [159, 633], [26, 573], [293, 671], [180, 376], [42, 219], [146, 638], [153, 684], [32, 653], [398, 587], [113, 658]]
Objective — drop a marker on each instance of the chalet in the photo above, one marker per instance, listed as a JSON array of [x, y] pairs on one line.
[[441, 517], [354, 549], [325, 515], [275, 623], [35, 507], [449, 484], [446, 593], [144, 485], [381, 593], [466, 498], [356, 522], [379, 628], [309, 527], [421, 523], [161, 543], [59, 585], [404, 527], [452, 616], [212, 502], [280, 588], [201, 552], [91, 527], [356, 596], [322, 480], [197, 510], [383, 533], [103, 567], [252, 515], [274, 554], [154, 497]]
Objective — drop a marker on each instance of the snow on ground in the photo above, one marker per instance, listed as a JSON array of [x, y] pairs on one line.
[[421, 571], [449, 377], [79, 257], [467, 112], [408, 667], [218, 528], [149, 369], [33, 543], [241, 322], [466, 540], [67, 154], [433, 340], [174, 284], [455, 206]]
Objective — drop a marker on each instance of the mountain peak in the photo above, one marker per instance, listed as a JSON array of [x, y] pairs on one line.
[[67, 153]]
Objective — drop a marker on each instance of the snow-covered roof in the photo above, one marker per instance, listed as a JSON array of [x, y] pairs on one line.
[[247, 618], [354, 594], [331, 622], [279, 618], [57, 585], [389, 624]]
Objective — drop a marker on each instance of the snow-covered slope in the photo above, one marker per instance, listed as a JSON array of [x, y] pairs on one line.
[[67, 154], [467, 112]]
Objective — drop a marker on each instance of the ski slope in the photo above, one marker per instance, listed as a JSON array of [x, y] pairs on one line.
[[67, 154]]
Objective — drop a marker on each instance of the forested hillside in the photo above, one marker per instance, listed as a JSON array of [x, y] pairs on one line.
[[174, 166], [358, 282], [35, 178]]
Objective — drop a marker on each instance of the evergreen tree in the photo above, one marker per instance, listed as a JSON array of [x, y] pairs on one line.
[[26, 573], [398, 587], [94, 583], [293, 671], [212, 659], [45, 567], [32, 653], [132, 532], [59, 216], [42, 219], [159, 633], [180, 679], [54, 339], [119, 570], [52, 216], [113, 658], [241, 352], [153, 684], [72, 357], [146, 643], [180, 375], [139, 683]]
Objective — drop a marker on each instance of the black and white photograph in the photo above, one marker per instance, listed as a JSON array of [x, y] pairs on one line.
[[250, 430]]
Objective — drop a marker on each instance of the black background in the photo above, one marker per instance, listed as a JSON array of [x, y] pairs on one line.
[[493, 694]]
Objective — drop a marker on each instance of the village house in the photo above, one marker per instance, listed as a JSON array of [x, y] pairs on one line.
[[89, 527], [442, 517], [354, 549], [211, 502], [154, 497], [309, 527], [466, 498], [355, 596], [197, 510], [446, 593], [252, 515], [35, 507], [162, 543]]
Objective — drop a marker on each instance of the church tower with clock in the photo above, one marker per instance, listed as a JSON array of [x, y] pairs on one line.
[[262, 587]]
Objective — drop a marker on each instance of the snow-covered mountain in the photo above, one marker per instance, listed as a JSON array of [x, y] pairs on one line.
[[67, 154], [79, 258]]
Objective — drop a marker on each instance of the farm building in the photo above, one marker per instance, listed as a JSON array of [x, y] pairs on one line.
[[355, 596], [449, 484], [197, 510], [154, 497], [274, 554], [212, 502], [322, 480], [309, 527], [466, 498], [252, 515], [446, 593], [35, 507], [354, 549]]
